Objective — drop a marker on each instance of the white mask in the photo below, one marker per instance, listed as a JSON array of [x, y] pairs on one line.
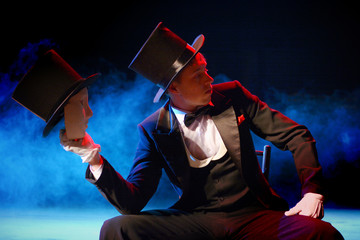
[[77, 114]]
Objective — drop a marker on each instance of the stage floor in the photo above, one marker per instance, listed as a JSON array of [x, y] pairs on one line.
[[51, 224]]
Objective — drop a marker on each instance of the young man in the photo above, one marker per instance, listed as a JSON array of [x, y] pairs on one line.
[[201, 138]]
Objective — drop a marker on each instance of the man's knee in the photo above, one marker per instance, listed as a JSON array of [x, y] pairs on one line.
[[326, 231], [117, 227], [297, 227], [318, 229]]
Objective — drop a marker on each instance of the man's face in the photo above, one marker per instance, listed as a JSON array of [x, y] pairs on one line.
[[192, 88], [77, 113]]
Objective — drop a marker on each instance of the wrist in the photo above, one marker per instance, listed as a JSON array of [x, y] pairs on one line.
[[96, 161], [315, 195]]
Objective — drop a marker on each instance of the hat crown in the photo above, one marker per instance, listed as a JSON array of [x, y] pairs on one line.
[[46, 85], [163, 56]]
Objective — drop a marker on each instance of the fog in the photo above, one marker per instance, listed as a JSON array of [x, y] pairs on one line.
[[37, 172]]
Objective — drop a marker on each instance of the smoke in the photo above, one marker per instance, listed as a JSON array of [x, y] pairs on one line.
[[332, 119], [334, 122], [37, 172]]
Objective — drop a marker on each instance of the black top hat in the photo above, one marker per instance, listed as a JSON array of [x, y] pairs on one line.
[[163, 56], [47, 86]]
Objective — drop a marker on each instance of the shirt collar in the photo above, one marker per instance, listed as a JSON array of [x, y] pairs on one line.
[[180, 115]]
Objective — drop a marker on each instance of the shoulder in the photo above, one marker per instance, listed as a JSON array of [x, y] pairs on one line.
[[233, 89], [151, 121], [227, 86], [159, 117]]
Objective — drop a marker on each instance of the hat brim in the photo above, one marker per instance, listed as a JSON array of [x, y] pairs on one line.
[[59, 111], [197, 44]]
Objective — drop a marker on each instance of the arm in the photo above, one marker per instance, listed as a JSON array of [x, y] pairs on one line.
[[130, 195], [286, 134]]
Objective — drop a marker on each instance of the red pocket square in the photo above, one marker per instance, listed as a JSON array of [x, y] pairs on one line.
[[240, 119]]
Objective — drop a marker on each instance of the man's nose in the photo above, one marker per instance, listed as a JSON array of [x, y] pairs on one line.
[[209, 78], [88, 112]]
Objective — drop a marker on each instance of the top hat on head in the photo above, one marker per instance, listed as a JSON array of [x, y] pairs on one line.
[[163, 56], [46, 87]]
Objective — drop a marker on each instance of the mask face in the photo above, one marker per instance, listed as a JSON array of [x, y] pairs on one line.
[[77, 114]]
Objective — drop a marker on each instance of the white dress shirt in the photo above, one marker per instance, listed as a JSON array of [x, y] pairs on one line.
[[202, 139]]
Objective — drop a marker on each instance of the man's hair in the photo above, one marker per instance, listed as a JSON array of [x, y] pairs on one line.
[[190, 63], [193, 59]]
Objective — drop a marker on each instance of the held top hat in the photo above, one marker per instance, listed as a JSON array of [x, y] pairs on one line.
[[163, 56], [46, 87]]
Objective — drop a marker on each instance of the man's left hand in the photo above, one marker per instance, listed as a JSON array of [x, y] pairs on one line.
[[310, 205]]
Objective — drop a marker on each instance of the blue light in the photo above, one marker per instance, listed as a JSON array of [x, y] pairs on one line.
[[36, 171]]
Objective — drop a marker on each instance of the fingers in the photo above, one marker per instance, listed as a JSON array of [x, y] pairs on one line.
[[316, 212], [306, 212], [63, 138], [293, 211], [65, 141], [299, 211]]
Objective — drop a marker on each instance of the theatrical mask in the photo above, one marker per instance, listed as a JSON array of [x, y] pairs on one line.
[[77, 114]]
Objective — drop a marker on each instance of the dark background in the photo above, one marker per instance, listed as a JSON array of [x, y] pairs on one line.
[[280, 42], [301, 57]]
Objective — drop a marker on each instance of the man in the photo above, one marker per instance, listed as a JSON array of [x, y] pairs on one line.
[[201, 138]]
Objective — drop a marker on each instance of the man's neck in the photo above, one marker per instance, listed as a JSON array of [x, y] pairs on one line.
[[185, 108], [178, 108]]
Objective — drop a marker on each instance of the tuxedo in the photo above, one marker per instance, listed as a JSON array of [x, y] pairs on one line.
[[235, 113]]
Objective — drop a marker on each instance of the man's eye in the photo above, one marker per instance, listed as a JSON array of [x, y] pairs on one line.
[[203, 72]]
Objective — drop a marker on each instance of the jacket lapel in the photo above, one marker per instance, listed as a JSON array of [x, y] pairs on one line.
[[168, 137], [224, 117], [234, 130]]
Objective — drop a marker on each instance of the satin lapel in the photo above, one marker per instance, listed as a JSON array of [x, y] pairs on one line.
[[235, 133], [170, 143], [224, 118]]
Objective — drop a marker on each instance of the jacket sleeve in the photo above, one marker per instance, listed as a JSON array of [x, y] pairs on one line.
[[129, 196], [285, 134]]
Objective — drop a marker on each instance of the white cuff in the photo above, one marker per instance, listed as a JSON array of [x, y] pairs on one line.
[[97, 173], [88, 154]]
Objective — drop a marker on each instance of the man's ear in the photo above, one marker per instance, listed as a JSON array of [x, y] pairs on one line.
[[173, 88]]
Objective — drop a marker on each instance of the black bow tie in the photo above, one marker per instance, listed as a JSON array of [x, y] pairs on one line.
[[190, 117]]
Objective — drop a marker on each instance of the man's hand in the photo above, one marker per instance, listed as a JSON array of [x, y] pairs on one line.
[[310, 205], [84, 147]]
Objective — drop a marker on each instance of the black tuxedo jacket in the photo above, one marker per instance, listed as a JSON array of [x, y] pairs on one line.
[[236, 111]]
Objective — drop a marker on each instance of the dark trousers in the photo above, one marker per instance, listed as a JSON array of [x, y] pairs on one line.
[[241, 224]]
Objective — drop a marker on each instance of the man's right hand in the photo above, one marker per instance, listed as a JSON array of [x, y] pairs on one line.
[[84, 147]]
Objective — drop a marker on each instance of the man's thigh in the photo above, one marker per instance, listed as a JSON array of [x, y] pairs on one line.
[[242, 224], [157, 224]]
